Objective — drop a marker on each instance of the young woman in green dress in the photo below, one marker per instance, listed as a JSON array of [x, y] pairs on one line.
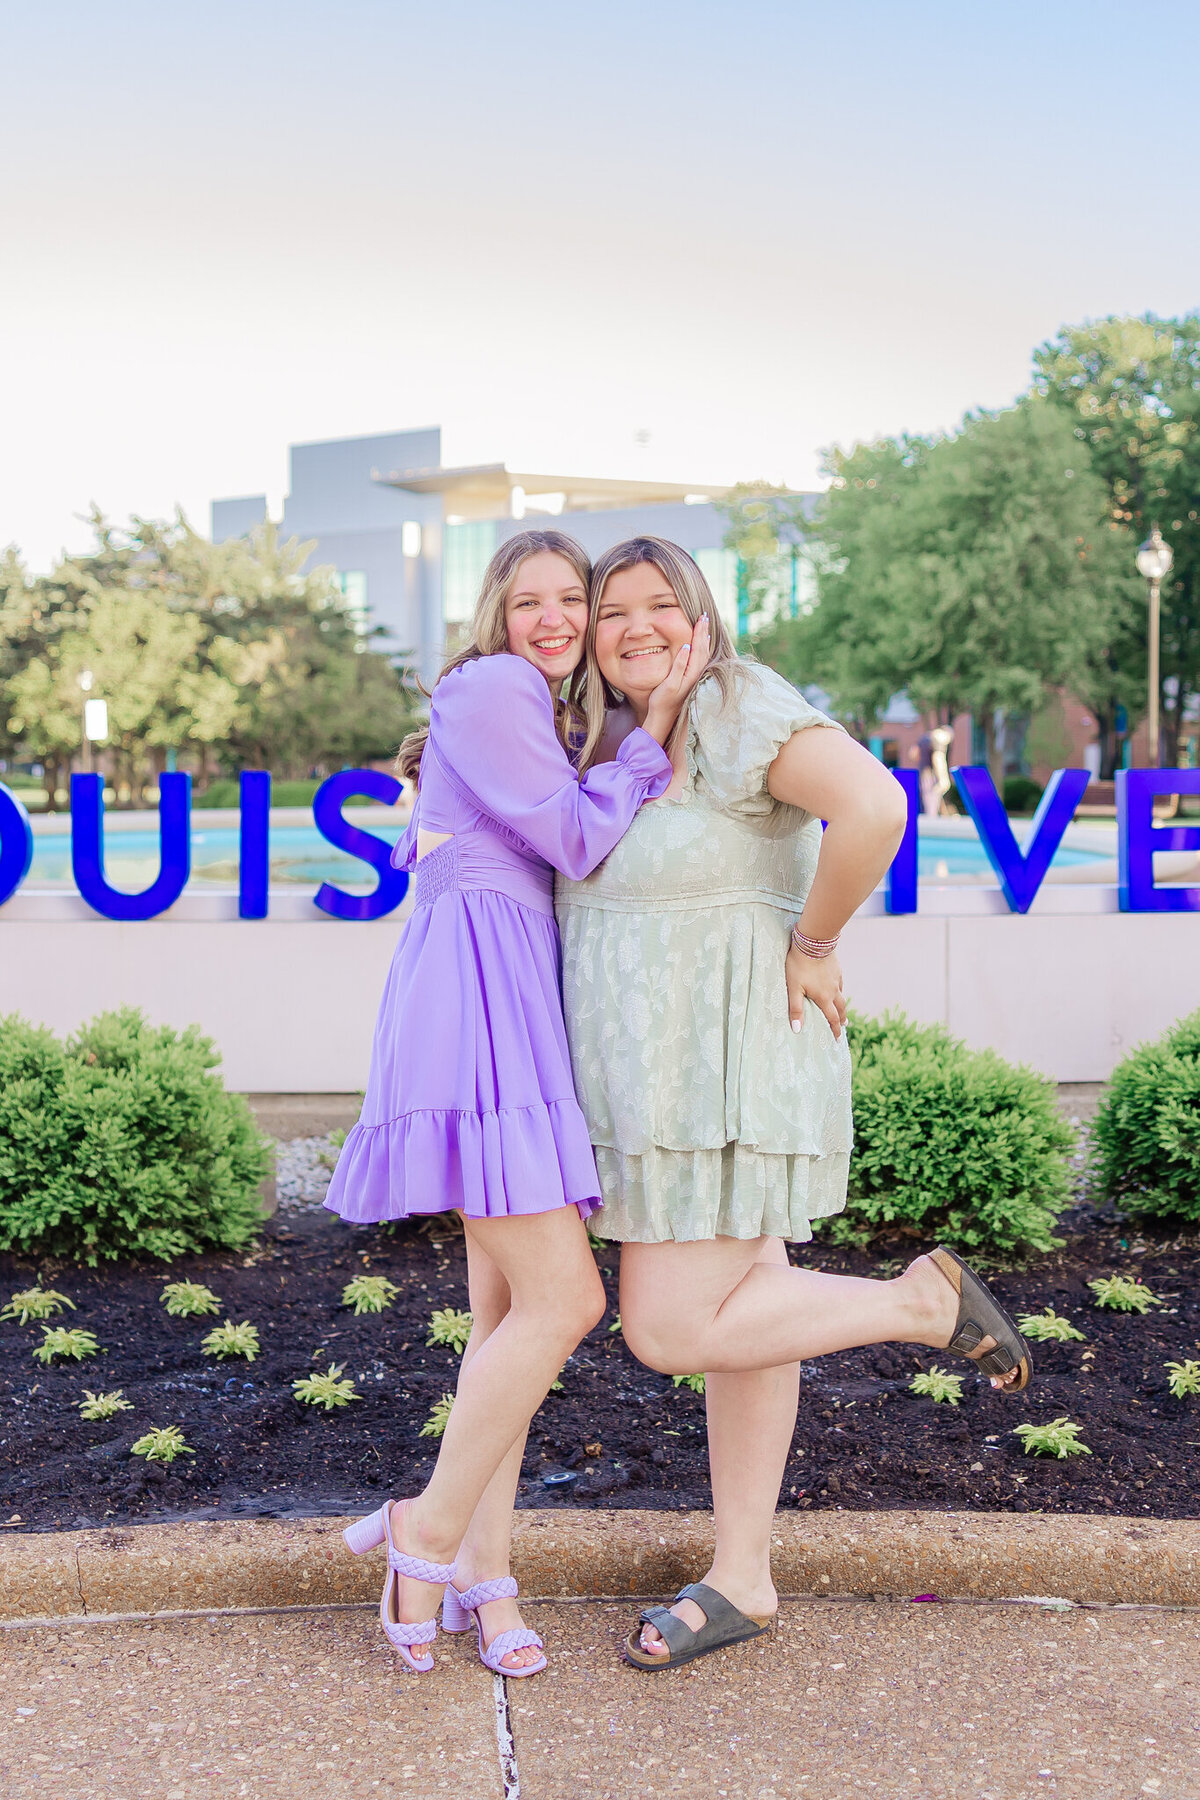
[[705, 1013]]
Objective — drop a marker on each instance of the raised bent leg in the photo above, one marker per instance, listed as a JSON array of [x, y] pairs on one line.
[[712, 1305], [751, 1421]]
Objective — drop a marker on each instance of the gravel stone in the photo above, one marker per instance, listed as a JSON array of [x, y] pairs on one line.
[[303, 1169]]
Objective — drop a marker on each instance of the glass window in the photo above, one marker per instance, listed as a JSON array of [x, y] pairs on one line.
[[467, 549], [719, 568], [352, 585]]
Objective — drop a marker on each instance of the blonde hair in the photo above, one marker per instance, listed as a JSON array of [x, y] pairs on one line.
[[686, 581], [489, 633]]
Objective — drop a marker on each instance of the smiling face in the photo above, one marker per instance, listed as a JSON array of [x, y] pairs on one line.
[[545, 615], [640, 626]]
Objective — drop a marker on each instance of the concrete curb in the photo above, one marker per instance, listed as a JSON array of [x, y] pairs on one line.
[[559, 1554]]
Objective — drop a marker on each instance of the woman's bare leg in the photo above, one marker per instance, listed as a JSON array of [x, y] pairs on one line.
[[751, 1421], [748, 1319], [555, 1298], [712, 1305], [487, 1548]]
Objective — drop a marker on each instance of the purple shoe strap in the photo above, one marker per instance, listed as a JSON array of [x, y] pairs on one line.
[[502, 1588], [507, 1641], [417, 1569], [423, 1632]]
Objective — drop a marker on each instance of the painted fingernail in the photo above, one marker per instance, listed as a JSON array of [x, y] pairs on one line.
[[795, 1024]]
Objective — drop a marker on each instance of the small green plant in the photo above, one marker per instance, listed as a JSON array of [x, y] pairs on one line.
[[439, 1417], [369, 1293], [326, 1387], [695, 1382], [35, 1303], [163, 1444], [103, 1406], [450, 1326], [937, 1384], [616, 1324], [337, 1136], [1049, 1328], [189, 1299], [596, 1242], [1122, 1294], [64, 1341], [1184, 1377], [1060, 1438], [232, 1340]]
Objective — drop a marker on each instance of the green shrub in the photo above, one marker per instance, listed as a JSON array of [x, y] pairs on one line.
[[121, 1142], [950, 1142], [1146, 1134], [227, 792]]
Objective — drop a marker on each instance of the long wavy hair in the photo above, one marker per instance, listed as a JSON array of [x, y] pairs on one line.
[[683, 575], [489, 635]]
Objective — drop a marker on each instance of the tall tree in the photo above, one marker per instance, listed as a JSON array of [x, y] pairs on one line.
[[976, 571], [1130, 388], [222, 654]]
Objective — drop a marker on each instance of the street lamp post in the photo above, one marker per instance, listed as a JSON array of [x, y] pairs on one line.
[[86, 680], [1154, 560]]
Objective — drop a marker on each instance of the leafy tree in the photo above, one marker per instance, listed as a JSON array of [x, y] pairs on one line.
[[976, 571], [1130, 388], [220, 654]]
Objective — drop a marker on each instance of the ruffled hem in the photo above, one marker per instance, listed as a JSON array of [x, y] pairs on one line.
[[679, 1196], [517, 1160]]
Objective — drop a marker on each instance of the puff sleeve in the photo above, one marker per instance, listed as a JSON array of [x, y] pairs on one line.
[[736, 740], [492, 726]]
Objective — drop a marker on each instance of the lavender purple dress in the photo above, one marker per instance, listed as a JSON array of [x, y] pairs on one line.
[[470, 1102]]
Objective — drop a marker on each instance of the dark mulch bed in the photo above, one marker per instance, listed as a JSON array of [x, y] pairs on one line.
[[628, 1436]]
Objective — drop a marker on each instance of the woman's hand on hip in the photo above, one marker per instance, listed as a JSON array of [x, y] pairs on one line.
[[819, 981], [675, 689]]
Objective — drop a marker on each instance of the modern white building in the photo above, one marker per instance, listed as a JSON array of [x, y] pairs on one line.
[[410, 539]]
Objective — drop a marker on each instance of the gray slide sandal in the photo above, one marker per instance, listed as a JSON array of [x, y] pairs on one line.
[[980, 1316], [723, 1624]]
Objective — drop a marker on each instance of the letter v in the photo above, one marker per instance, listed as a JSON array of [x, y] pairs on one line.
[[1020, 872]]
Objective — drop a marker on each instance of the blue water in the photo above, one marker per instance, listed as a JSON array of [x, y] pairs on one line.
[[301, 857]]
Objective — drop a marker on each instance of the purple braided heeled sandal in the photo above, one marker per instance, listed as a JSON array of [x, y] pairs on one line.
[[376, 1529], [459, 1608]]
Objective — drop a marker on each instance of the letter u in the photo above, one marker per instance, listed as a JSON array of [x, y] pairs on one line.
[[175, 849]]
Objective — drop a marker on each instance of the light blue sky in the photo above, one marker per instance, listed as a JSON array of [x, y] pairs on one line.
[[751, 231]]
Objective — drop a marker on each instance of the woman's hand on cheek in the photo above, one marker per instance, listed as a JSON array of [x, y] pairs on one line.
[[819, 982], [676, 688]]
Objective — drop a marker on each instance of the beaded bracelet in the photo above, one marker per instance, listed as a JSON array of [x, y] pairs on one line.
[[817, 949]]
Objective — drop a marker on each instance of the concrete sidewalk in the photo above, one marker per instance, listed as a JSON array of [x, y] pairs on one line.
[[964, 1701]]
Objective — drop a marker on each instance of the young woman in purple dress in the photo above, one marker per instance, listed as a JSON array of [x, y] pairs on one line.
[[470, 1105]]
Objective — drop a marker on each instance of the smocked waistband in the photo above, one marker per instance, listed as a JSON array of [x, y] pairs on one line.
[[478, 860]]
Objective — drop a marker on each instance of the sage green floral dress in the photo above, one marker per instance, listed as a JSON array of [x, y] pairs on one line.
[[709, 1116]]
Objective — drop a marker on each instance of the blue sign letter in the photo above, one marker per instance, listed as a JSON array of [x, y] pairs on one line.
[[901, 893], [254, 857], [1138, 837], [1020, 873], [16, 844], [87, 849], [327, 814]]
